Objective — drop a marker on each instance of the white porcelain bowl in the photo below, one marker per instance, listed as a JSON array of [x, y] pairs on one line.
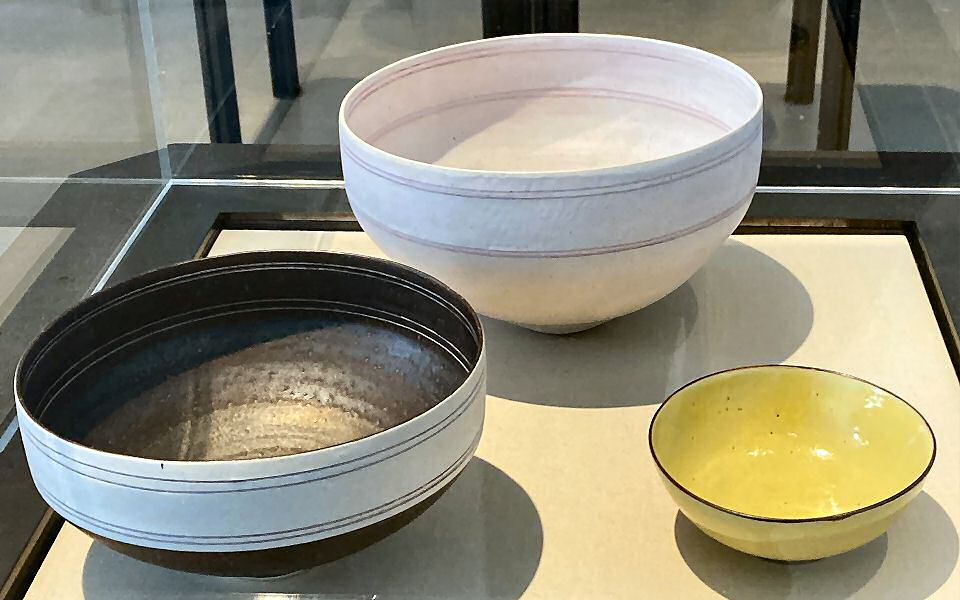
[[555, 180]]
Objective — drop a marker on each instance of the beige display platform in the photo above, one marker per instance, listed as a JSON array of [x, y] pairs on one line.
[[563, 499]]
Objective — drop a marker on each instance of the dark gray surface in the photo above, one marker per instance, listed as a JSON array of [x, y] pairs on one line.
[[20, 201], [101, 216], [21, 505], [780, 168], [179, 227]]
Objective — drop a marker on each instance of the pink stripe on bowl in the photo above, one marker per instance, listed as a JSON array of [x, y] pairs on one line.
[[576, 252]]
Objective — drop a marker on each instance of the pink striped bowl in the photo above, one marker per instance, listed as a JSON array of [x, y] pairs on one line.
[[556, 180]]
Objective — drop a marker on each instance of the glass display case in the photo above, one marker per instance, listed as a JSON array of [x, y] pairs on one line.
[[143, 133]]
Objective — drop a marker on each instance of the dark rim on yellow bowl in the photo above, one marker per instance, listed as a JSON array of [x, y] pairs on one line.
[[836, 517]]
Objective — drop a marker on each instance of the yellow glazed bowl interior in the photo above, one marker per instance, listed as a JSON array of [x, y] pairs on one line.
[[752, 454]]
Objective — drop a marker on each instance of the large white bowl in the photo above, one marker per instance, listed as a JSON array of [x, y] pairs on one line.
[[555, 180]]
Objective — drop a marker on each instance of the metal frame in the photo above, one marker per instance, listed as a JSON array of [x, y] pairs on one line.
[[804, 47], [216, 68], [251, 164], [216, 62], [514, 17], [839, 74], [281, 48]]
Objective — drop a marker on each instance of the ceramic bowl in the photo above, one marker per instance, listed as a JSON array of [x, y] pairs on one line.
[[790, 463], [253, 414], [555, 180]]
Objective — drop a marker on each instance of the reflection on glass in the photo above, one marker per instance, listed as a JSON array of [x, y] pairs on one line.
[[75, 91]]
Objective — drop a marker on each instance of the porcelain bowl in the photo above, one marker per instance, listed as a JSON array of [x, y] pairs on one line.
[[555, 180], [790, 463], [253, 414]]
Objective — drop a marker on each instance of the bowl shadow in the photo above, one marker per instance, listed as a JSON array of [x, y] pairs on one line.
[[922, 552], [482, 538], [743, 307], [909, 562]]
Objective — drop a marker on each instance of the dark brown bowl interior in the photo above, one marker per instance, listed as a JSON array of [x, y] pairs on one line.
[[269, 382], [250, 356]]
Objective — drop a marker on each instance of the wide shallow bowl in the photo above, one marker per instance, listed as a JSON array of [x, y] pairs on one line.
[[790, 463], [555, 180], [253, 414]]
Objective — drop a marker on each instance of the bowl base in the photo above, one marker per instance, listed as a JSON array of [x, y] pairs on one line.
[[780, 561], [280, 577], [562, 329], [273, 562]]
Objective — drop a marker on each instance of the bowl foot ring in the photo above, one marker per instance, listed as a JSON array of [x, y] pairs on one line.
[[562, 329]]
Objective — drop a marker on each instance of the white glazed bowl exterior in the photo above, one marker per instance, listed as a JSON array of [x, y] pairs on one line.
[[554, 248], [224, 506]]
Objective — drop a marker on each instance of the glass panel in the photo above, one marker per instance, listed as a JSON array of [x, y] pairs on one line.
[[75, 91], [907, 92], [334, 44], [908, 74], [836, 77]]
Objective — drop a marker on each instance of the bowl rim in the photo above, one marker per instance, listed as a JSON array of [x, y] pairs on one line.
[[161, 274], [612, 170], [834, 517]]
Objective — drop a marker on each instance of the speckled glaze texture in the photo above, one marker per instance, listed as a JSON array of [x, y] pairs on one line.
[[555, 180], [790, 463], [253, 402]]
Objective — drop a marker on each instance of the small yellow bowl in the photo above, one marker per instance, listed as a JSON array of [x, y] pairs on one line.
[[790, 463]]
